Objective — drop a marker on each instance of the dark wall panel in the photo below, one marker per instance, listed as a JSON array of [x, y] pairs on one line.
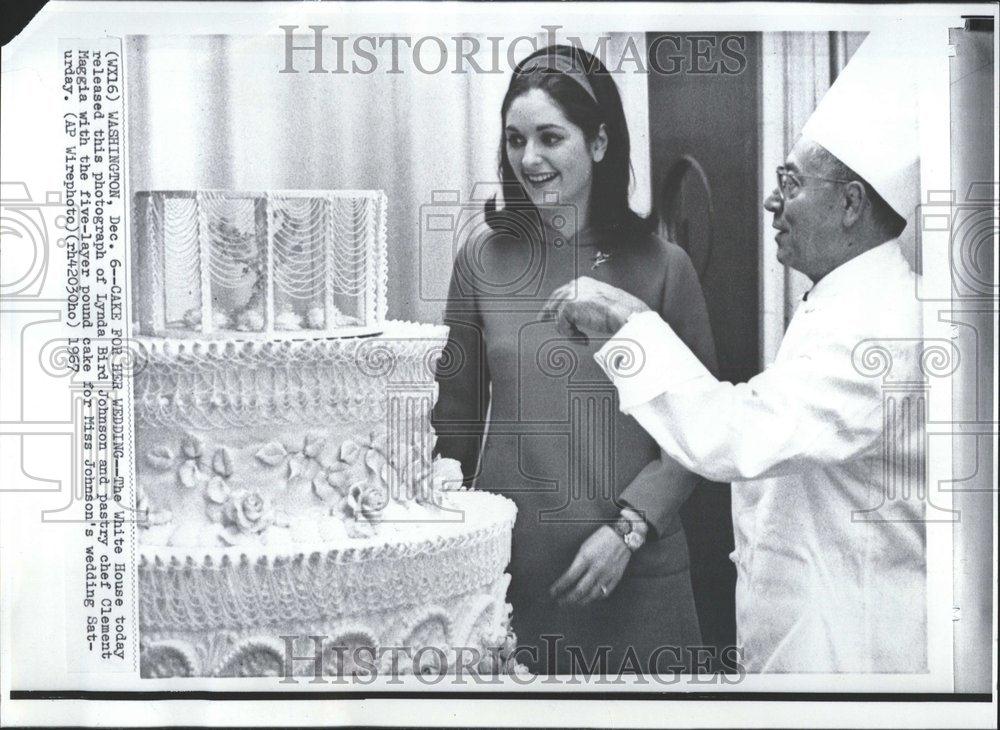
[[704, 118], [704, 95]]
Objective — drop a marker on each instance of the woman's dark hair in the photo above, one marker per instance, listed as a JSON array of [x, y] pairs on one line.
[[609, 209]]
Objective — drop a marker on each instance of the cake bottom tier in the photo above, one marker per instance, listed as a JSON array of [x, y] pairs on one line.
[[469, 633], [431, 602]]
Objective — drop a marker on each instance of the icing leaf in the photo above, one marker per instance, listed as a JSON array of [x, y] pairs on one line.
[[161, 457], [314, 443], [215, 512], [374, 460], [337, 476], [349, 451], [222, 462], [189, 474], [272, 453], [322, 488], [192, 446], [380, 466], [217, 490], [296, 467], [232, 535]]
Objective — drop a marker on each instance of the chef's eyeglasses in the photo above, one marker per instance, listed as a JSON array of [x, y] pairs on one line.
[[789, 183]]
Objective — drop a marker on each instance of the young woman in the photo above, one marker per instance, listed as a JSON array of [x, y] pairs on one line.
[[600, 562]]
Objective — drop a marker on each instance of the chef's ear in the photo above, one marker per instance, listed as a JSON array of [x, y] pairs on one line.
[[600, 144], [855, 201]]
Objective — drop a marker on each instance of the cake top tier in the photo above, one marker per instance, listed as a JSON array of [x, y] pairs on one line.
[[283, 264]]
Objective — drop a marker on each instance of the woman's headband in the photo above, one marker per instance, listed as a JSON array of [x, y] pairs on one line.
[[557, 63]]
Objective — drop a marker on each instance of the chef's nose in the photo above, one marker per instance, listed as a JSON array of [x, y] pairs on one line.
[[773, 202]]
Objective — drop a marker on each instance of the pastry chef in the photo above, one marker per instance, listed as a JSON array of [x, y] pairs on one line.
[[830, 542]]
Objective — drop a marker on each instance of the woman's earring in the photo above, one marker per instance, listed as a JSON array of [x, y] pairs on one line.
[[600, 146]]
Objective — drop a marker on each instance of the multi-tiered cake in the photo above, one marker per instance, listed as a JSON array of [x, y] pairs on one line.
[[288, 500]]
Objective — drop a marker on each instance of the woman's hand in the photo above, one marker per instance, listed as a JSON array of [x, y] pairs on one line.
[[596, 570]]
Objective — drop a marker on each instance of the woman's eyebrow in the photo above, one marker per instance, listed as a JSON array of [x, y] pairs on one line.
[[539, 128]]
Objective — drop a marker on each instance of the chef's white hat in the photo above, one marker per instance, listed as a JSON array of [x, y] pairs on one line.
[[869, 119]]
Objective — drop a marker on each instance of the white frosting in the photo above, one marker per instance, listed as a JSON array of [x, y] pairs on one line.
[[440, 584], [285, 479], [282, 442]]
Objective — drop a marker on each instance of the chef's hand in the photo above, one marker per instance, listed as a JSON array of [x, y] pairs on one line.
[[596, 570], [588, 304]]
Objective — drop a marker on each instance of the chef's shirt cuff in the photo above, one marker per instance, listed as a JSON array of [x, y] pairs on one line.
[[646, 358]]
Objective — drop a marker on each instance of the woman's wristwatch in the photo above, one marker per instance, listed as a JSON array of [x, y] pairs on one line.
[[631, 528]]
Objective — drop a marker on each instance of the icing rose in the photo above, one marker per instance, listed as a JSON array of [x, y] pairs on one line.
[[366, 500], [350, 451], [249, 512], [220, 320], [447, 475], [146, 515], [250, 320], [288, 320], [316, 318], [192, 318]]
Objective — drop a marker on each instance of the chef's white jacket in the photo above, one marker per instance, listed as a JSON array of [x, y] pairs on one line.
[[825, 452]]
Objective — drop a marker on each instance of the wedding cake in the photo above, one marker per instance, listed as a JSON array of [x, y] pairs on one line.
[[292, 519]]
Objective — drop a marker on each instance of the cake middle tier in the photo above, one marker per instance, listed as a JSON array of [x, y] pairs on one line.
[[266, 441]]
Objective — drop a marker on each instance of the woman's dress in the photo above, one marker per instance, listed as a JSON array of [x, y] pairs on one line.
[[558, 446]]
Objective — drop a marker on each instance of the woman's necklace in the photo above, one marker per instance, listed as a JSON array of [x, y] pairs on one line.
[[599, 258]]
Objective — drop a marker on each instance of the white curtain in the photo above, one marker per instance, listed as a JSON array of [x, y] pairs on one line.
[[214, 112]]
